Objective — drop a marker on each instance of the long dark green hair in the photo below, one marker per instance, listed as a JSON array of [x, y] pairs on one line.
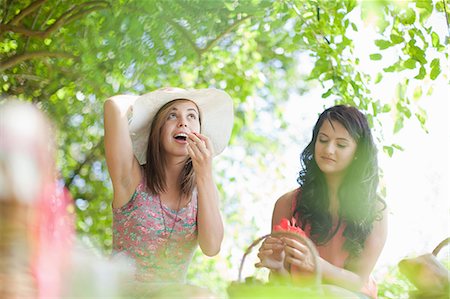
[[359, 202]]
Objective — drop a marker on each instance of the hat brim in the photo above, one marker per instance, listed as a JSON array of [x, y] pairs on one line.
[[216, 114]]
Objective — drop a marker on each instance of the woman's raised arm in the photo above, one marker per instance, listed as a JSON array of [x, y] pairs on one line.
[[123, 167]]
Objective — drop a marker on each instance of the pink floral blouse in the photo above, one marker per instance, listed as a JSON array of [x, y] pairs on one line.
[[143, 232]]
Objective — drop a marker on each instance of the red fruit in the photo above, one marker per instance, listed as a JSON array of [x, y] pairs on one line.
[[285, 225]]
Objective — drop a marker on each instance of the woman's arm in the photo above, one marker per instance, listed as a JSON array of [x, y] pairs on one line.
[[209, 219], [271, 253], [360, 269], [123, 167]]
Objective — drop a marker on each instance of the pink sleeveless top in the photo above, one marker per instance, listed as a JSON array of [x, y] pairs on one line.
[[143, 232], [334, 253]]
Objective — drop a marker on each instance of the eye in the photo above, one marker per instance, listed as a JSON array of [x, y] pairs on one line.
[[342, 145], [172, 116], [322, 140], [192, 116]]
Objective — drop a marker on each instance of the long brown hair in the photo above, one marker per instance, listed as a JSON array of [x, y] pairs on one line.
[[156, 159]]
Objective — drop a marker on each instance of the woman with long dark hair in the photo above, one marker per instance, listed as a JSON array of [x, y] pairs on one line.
[[336, 204]]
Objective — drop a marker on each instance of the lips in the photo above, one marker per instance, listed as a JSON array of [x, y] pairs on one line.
[[328, 159], [181, 137]]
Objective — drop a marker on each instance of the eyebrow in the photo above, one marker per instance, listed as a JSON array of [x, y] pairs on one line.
[[339, 138], [189, 109]]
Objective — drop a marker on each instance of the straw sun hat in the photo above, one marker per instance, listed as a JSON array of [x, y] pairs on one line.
[[216, 115]]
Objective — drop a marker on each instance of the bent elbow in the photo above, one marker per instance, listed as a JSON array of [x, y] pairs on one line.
[[211, 251]]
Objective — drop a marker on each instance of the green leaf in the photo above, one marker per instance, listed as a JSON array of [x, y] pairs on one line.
[[394, 67], [398, 124], [434, 62], [421, 74], [440, 6], [396, 146], [396, 39], [408, 17], [410, 63], [61, 93], [375, 108], [388, 150], [417, 93], [327, 93], [378, 78], [308, 14], [383, 44], [425, 4], [422, 117], [435, 69], [375, 56], [435, 39]]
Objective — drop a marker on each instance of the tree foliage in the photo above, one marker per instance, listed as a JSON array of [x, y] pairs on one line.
[[68, 56]]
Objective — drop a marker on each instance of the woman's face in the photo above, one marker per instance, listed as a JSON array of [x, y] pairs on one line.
[[334, 149], [182, 118]]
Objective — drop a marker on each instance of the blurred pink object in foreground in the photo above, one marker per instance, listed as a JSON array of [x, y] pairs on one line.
[[53, 230], [35, 209]]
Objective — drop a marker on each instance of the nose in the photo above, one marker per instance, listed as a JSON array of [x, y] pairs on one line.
[[182, 122], [330, 148]]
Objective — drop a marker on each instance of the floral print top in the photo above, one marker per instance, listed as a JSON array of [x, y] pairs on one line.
[[160, 241]]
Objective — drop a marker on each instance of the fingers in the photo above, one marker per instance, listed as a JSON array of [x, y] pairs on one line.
[[304, 264], [293, 244], [259, 265], [198, 146], [207, 142], [298, 254], [272, 242]]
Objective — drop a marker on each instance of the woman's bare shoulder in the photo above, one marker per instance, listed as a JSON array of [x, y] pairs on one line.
[[283, 207], [285, 200]]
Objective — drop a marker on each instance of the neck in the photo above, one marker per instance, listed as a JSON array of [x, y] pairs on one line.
[[172, 173], [333, 183]]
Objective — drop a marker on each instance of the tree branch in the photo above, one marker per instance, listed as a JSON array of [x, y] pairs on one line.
[[69, 16], [89, 158], [75, 13], [82, 13], [26, 11], [5, 8], [446, 18], [16, 59], [186, 35], [228, 30]]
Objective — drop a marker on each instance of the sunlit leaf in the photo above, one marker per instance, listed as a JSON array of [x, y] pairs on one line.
[[435, 39], [388, 150], [396, 146], [398, 124], [421, 74], [383, 44], [410, 63], [435, 69], [375, 56], [396, 39]]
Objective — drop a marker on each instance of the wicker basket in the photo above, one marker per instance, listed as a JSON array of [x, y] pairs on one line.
[[252, 288], [427, 274]]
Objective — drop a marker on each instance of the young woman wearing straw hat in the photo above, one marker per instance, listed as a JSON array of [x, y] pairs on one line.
[[159, 150]]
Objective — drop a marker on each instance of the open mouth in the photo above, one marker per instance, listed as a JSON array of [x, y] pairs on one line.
[[181, 136]]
